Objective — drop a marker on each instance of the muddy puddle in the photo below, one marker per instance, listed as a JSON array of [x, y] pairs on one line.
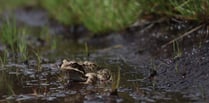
[[39, 80]]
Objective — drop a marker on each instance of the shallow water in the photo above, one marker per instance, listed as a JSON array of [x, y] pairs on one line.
[[34, 82]]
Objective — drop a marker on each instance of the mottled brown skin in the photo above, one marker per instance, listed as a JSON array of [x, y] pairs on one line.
[[92, 78], [85, 73], [104, 75], [72, 65]]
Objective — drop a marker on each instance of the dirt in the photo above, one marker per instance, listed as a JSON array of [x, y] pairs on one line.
[[188, 74], [141, 47]]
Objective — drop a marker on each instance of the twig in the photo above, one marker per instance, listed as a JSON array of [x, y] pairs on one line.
[[182, 36]]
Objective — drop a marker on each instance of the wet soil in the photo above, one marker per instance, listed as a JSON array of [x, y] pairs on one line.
[[143, 47], [150, 71]]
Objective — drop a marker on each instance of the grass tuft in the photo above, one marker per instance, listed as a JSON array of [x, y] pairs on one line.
[[177, 50], [191, 9], [4, 58], [9, 34], [22, 46], [38, 60], [60, 10], [14, 39], [87, 49], [102, 16], [97, 16], [116, 81]]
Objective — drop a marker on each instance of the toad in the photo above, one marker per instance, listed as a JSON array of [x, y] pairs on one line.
[[84, 72]]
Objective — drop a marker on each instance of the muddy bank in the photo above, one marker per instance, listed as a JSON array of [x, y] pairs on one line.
[[187, 73]]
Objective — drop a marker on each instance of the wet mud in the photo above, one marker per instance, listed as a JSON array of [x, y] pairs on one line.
[[151, 70], [186, 74]]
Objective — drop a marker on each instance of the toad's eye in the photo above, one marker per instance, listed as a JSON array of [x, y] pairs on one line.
[[74, 65], [77, 66]]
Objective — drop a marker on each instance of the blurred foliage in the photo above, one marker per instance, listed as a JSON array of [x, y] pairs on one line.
[[60, 10], [191, 9], [113, 15], [10, 4], [6, 83], [96, 15], [14, 38], [9, 34], [104, 15], [185, 9], [156, 7]]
